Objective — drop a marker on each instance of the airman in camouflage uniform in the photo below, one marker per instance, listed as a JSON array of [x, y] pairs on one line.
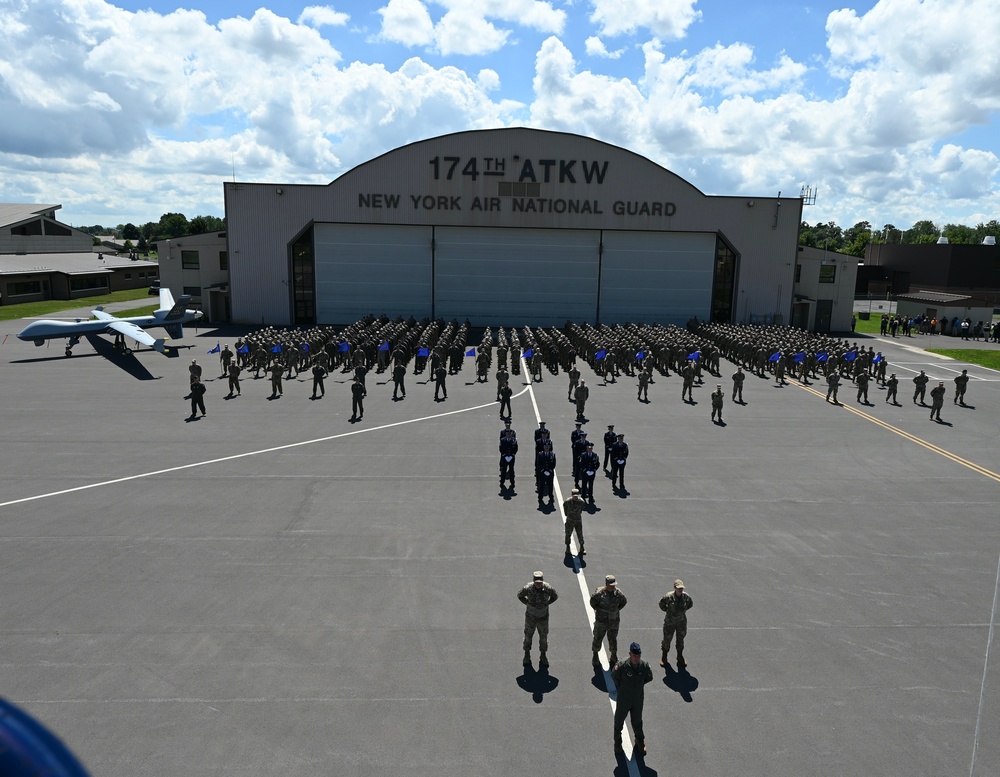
[[892, 386], [607, 601], [675, 605], [536, 597]]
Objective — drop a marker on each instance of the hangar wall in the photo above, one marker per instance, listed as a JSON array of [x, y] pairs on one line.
[[518, 179]]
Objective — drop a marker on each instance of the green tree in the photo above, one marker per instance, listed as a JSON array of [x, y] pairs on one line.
[[149, 230], [130, 231], [921, 232], [172, 225], [991, 227], [857, 238], [827, 236], [142, 246], [201, 224]]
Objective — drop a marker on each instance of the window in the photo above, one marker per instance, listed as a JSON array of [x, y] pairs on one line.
[[128, 276], [724, 281], [151, 274], [798, 273], [512, 189], [85, 283], [24, 287], [189, 260], [52, 228], [193, 291], [31, 228], [828, 273], [142, 275], [223, 260], [304, 275]]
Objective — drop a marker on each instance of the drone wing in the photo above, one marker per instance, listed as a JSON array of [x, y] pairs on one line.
[[137, 333]]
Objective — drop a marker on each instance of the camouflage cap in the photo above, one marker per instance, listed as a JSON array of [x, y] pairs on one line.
[[610, 580], [678, 583], [575, 492]]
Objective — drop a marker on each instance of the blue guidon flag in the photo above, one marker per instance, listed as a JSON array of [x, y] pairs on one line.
[[305, 347], [529, 353], [600, 354], [471, 352], [822, 356], [243, 349], [775, 357], [850, 356], [215, 350], [276, 349], [799, 357], [422, 352], [384, 347], [695, 355], [877, 359], [640, 355], [344, 347]]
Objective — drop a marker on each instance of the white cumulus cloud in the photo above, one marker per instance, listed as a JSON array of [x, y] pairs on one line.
[[323, 16], [466, 26], [665, 19]]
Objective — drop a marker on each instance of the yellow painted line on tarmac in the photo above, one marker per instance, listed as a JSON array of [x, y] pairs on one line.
[[906, 435]]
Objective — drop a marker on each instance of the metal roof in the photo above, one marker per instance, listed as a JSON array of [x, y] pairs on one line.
[[67, 264], [15, 212], [935, 296]]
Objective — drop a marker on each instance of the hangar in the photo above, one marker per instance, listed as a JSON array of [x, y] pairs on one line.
[[512, 226]]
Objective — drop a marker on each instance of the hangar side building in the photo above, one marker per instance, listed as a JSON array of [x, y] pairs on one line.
[[508, 227]]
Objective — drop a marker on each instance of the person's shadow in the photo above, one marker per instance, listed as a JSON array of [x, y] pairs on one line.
[[537, 683], [621, 767], [600, 678], [680, 681]]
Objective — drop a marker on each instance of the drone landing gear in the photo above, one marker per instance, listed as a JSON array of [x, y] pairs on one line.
[[69, 345], [120, 346]]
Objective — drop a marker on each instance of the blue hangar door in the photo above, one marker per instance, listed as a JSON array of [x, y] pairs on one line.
[[515, 277], [371, 268], [656, 277]]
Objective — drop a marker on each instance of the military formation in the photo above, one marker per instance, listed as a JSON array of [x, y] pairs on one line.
[[647, 353], [438, 350]]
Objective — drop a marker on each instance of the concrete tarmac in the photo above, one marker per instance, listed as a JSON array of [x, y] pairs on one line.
[[275, 590]]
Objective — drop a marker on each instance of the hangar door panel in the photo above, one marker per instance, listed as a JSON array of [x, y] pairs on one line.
[[514, 277], [657, 277], [366, 268]]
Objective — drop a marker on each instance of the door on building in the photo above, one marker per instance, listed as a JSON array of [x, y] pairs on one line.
[[824, 314]]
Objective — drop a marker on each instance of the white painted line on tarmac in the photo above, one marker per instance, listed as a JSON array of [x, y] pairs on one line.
[[247, 454], [627, 742], [986, 666]]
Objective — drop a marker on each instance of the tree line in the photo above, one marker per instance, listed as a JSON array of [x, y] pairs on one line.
[[855, 239], [169, 226]]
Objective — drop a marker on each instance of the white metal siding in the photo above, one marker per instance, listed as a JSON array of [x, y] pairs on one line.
[[652, 277], [363, 268], [515, 277]]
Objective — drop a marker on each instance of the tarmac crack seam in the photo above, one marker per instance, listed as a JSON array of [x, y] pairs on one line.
[[247, 454], [906, 435], [627, 741], [986, 666]]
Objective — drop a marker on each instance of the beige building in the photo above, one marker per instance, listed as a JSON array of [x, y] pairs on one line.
[[198, 265], [42, 258], [824, 290]]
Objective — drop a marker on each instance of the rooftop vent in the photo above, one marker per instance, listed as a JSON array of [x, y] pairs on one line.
[[942, 241], [989, 240]]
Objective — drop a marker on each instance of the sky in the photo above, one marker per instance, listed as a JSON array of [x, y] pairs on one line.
[[889, 110]]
